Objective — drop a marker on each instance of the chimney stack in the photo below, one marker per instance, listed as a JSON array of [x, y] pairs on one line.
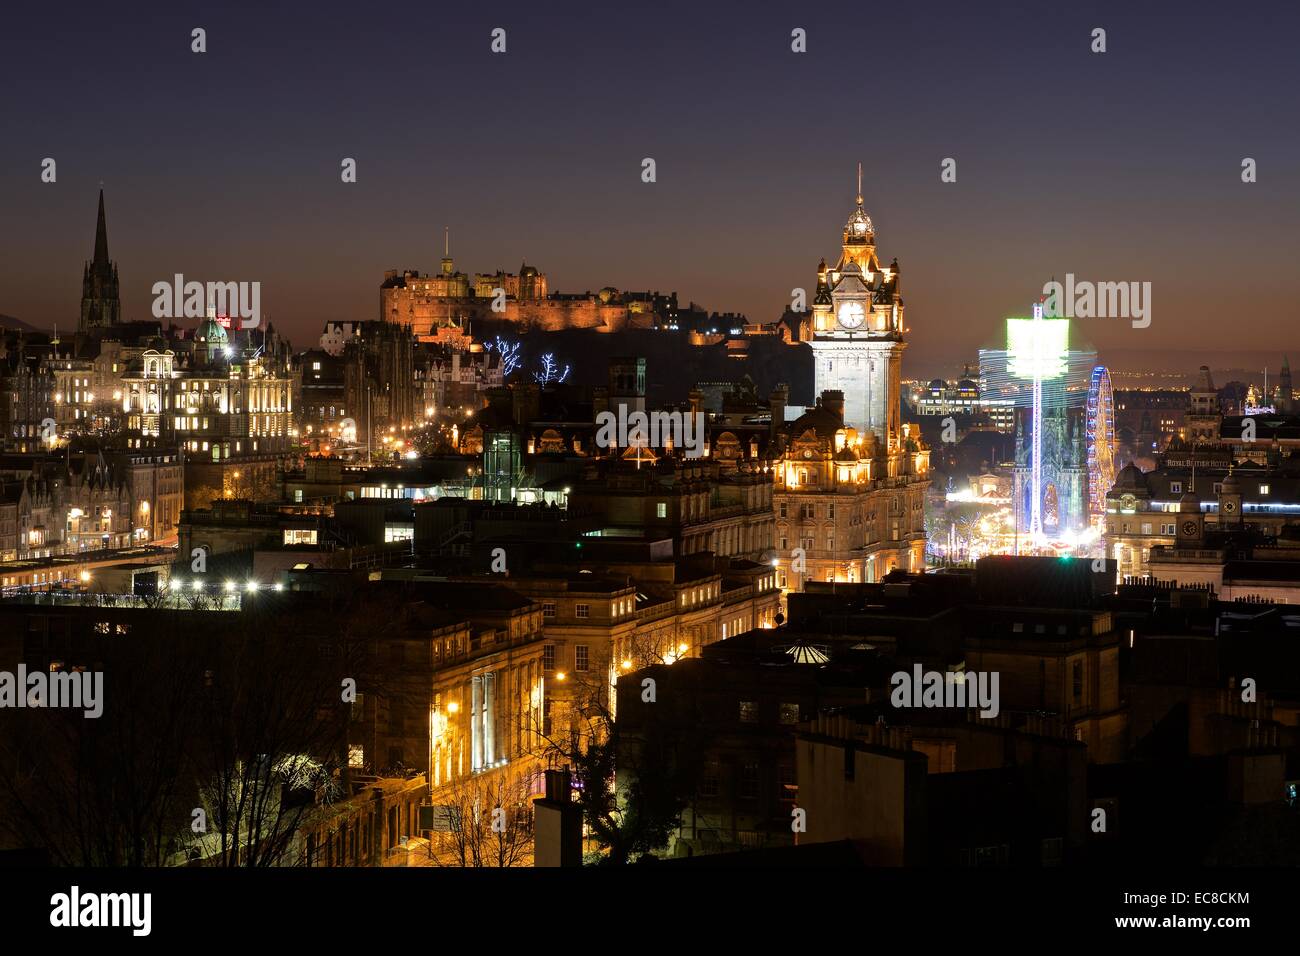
[[777, 402], [557, 823], [833, 401]]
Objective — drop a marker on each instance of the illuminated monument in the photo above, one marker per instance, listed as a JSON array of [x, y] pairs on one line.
[[1036, 353], [857, 332], [1064, 426]]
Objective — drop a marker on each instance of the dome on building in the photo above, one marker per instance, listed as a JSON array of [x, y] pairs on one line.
[[1189, 503], [210, 332], [1230, 485], [1131, 478], [938, 383], [824, 422], [859, 224], [801, 652], [211, 338]]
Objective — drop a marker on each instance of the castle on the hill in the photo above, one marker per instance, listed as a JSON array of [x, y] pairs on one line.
[[427, 303]]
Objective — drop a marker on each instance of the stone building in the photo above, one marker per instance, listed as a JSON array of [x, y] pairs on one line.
[[848, 506], [28, 413], [424, 304]]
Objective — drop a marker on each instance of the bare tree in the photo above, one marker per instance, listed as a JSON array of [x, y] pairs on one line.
[[491, 823], [110, 790], [274, 714]]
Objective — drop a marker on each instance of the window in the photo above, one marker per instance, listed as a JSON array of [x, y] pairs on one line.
[[830, 512], [661, 509], [1051, 851], [748, 789], [580, 659], [1146, 527], [749, 711], [786, 787], [1077, 676], [1175, 487], [1263, 489], [582, 610], [548, 610], [709, 780], [548, 657], [789, 713], [782, 510]]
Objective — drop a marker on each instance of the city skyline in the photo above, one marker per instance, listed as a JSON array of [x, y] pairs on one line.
[[642, 441]]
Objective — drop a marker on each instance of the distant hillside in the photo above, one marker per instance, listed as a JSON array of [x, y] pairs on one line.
[[9, 322]]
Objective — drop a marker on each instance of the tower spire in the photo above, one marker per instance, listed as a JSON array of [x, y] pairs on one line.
[[859, 183], [100, 305], [101, 235], [446, 240]]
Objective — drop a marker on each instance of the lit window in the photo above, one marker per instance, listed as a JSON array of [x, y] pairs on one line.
[[582, 610], [749, 711]]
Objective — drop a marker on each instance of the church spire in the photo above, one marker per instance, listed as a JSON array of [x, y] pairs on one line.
[[101, 235], [100, 305]]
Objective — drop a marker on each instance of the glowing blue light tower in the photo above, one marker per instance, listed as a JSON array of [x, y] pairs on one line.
[[1036, 351]]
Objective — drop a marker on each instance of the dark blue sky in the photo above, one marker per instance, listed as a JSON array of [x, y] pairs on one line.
[[1120, 166]]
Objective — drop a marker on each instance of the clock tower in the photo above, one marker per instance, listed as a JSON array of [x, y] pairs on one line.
[[1230, 500], [857, 333], [1191, 522]]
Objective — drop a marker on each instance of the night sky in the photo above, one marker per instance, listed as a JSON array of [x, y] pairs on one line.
[[225, 166]]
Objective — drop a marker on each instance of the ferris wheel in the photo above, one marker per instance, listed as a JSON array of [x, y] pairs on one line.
[[1101, 443]]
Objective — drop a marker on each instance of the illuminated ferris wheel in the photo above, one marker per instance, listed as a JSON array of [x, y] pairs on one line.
[[1101, 443]]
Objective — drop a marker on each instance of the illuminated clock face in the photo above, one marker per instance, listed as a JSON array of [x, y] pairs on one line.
[[852, 315], [1229, 506], [1189, 528]]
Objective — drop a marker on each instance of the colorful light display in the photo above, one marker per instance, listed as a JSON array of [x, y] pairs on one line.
[[1036, 350]]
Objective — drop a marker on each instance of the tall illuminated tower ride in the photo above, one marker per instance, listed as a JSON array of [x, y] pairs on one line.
[[1036, 352]]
